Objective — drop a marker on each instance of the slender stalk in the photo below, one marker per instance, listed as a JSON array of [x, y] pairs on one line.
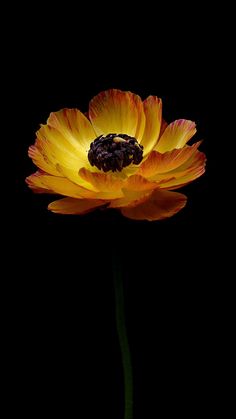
[[123, 340]]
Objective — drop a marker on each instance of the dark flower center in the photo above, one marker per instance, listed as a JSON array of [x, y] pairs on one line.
[[114, 151]]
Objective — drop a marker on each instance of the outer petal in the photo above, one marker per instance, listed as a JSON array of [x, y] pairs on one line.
[[135, 190], [192, 169], [114, 111], [176, 135], [75, 206], [157, 206], [153, 112], [186, 173], [43, 182], [139, 183], [74, 126], [130, 198], [157, 163]]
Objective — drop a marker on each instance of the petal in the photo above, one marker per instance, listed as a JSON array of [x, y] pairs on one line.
[[157, 163], [60, 155], [130, 198], [139, 183], [135, 190], [74, 126], [189, 171], [157, 206], [75, 206], [52, 144], [75, 177], [114, 111], [141, 118], [105, 182], [153, 112], [108, 186], [41, 161], [176, 135], [40, 182], [164, 125]]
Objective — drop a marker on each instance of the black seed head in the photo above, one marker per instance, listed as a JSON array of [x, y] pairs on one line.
[[114, 152]]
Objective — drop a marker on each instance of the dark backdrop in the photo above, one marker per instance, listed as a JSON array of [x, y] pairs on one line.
[[65, 352]]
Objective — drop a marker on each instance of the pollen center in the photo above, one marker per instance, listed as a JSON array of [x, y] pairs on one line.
[[114, 151]]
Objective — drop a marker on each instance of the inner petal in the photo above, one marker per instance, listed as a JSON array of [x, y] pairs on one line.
[[116, 111]]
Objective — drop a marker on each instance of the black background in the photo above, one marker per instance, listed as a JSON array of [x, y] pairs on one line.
[[64, 349]]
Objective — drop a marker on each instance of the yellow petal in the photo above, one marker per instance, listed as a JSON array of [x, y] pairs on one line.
[[61, 156], [153, 113], [157, 163], [75, 206], [118, 112], [176, 135], [42, 162], [42, 182], [141, 118], [52, 144], [157, 206], [75, 177], [75, 128]]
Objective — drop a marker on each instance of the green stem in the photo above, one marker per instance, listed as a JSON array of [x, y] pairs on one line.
[[122, 334]]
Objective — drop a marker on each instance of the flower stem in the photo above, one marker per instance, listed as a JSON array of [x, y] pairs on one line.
[[122, 334]]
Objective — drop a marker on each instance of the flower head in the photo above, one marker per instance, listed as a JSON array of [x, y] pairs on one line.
[[121, 155]]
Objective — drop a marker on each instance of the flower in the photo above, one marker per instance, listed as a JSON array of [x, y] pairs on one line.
[[121, 155]]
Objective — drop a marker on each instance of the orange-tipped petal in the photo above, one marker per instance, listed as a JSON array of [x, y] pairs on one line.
[[157, 163], [43, 182], [153, 113], [115, 111], [75, 206], [186, 173], [135, 190], [159, 205], [176, 135]]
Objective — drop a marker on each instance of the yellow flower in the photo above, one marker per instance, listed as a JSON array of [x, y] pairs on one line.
[[121, 155]]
